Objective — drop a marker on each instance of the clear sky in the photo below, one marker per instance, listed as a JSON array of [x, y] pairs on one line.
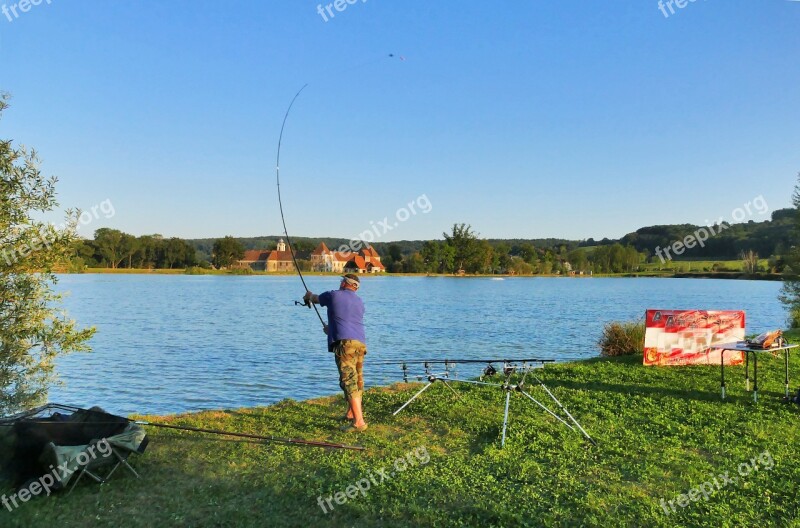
[[524, 118]]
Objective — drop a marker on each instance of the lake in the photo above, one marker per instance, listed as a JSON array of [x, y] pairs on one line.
[[175, 343]]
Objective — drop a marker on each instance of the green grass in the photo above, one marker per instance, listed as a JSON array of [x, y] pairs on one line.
[[700, 265], [660, 433]]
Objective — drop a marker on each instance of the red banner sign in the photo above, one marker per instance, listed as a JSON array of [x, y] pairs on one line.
[[685, 337]]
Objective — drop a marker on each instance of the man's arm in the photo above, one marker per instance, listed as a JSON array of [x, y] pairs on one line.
[[314, 299], [311, 297]]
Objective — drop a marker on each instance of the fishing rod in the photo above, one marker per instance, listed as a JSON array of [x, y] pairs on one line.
[[454, 361], [509, 365], [283, 218], [280, 201], [9, 421], [269, 438]]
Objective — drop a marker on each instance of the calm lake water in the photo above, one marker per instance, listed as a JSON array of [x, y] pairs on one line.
[[173, 343]]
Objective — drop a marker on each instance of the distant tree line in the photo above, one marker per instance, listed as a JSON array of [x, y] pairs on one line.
[[462, 249], [114, 249], [770, 237]]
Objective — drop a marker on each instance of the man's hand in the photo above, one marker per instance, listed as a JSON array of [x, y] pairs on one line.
[[307, 297]]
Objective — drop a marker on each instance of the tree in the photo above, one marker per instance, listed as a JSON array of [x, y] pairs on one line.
[[128, 247], [109, 243], [486, 259], [176, 253], [466, 247], [33, 330], [395, 252], [519, 266], [437, 256], [414, 264], [749, 262], [226, 251], [528, 253], [83, 252], [393, 260], [577, 258], [146, 254], [790, 292]]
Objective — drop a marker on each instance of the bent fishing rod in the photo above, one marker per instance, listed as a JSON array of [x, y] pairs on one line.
[[280, 201], [283, 218]]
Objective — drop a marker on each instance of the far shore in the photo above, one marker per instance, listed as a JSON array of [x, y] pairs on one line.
[[735, 275]]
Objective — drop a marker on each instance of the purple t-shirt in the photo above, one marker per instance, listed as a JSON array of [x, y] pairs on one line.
[[345, 315]]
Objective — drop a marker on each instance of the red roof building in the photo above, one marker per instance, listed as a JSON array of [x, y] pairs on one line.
[[276, 260], [366, 260]]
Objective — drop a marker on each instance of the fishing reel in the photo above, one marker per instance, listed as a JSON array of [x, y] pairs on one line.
[[489, 371]]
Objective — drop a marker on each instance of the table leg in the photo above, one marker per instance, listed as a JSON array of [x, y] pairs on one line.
[[755, 377], [722, 370], [747, 371], [786, 364]]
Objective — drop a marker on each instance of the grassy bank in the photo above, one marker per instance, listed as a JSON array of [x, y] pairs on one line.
[[134, 271], [660, 431]]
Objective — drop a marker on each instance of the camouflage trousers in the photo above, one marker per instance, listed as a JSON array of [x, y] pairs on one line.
[[349, 355]]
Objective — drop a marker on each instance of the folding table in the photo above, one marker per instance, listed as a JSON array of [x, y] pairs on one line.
[[744, 347]]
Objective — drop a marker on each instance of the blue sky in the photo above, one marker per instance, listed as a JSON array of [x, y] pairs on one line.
[[526, 119]]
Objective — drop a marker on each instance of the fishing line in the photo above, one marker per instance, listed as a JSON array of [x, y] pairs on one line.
[[280, 205], [278, 179]]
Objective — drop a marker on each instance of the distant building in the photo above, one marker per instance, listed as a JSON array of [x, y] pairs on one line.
[[365, 261], [280, 259], [256, 259], [276, 260]]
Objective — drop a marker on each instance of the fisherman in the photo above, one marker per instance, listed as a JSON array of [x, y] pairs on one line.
[[346, 339]]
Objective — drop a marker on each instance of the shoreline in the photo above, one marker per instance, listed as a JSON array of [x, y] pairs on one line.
[[729, 275]]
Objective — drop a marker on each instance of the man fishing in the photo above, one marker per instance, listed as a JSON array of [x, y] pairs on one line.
[[346, 339]]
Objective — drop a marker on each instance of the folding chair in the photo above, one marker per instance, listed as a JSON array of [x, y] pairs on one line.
[[98, 459]]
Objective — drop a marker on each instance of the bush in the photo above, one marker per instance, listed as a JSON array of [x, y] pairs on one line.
[[76, 265], [790, 297], [240, 271], [622, 339]]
